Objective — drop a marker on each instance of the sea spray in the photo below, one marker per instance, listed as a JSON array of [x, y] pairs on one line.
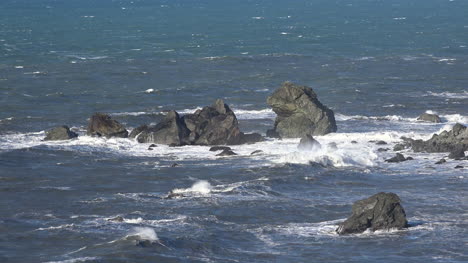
[[200, 187]]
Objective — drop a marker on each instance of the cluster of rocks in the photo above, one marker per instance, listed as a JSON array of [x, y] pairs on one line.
[[300, 114], [454, 142]]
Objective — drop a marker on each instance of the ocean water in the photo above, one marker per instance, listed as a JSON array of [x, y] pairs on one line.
[[378, 64]]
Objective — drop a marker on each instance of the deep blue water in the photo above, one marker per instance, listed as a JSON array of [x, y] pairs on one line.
[[377, 64]]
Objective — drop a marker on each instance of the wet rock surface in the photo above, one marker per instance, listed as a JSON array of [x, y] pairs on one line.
[[299, 113], [381, 211]]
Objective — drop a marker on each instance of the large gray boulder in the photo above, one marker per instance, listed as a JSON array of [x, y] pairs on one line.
[[299, 112], [213, 125], [446, 141], [170, 131], [103, 125], [429, 118], [60, 133], [381, 211]]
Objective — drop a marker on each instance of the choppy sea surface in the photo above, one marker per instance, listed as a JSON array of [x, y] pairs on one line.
[[377, 64]]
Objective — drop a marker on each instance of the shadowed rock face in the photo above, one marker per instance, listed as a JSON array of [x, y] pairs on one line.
[[213, 125], [170, 131], [380, 211], [103, 125], [300, 112], [60, 133]]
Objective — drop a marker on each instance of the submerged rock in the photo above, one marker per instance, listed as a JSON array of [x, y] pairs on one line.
[[116, 219], [441, 161], [429, 118], [226, 153], [219, 148], [256, 152], [299, 113], [308, 143], [458, 167], [60, 133], [380, 142], [103, 125], [381, 211], [398, 158]]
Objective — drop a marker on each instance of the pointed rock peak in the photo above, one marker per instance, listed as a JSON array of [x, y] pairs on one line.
[[172, 115], [221, 107]]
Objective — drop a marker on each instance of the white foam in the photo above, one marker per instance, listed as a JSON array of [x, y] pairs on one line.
[[200, 187], [149, 91], [138, 220], [343, 117], [74, 260], [145, 233], [449, 95]]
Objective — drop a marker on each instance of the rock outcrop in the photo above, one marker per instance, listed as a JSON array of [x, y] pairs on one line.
[[446, 141], [170, 131], [299, 113], [429, 118], [381, 211], [60, 133], [212, 125], [103, 125]]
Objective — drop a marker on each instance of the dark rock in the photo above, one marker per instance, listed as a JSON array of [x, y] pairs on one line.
[[457, 153], [381, 211], [226, 153], [458, 167], [354, 142], [170, 131], [116, 219], [400, 147], [382, 149], [398, 158], [308, 143], [429, 118], [60, 133], [271, 133], [409, 158], [150, 148], [174, 165], [172, 195], [300, 112], [381, 142], [219, 148], [249, 138], [441, 161], [103, 125], [256, 152], [446, 141], [214, 125], [135, 132], [153, 145]]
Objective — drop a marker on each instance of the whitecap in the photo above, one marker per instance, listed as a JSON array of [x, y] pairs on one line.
[[201, 187], [449, 95], [74, 260], [144, 233]]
